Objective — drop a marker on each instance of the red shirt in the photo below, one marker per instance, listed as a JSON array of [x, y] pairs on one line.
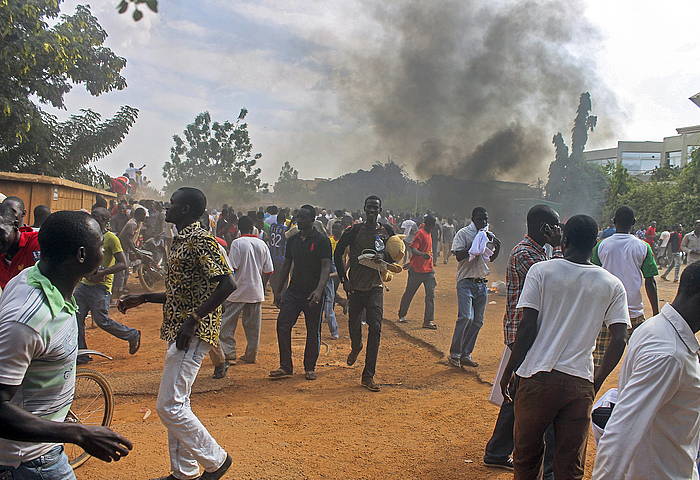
[[650, 235], [26, 256], [422, 242]]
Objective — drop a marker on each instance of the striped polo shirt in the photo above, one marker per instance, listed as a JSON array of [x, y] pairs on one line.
[[38, 350]]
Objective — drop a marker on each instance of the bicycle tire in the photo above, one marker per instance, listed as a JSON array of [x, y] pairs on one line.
[[108, 398]]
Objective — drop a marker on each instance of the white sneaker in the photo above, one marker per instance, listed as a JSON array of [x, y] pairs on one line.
[[402, 319]]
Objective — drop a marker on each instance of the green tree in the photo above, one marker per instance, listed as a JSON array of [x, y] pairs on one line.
[[39, 64], [215, 157], [287, 183], [579, 187], [138, 14], [66, 149]]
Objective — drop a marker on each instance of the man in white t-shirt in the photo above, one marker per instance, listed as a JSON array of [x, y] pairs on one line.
[[565, 302], [629, 259], [252, 266]]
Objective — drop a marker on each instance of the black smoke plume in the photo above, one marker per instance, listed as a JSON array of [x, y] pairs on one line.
[[471, 88]]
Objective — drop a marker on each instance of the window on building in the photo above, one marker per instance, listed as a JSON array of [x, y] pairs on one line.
[[603, 162], [673, 159], [638, 163]]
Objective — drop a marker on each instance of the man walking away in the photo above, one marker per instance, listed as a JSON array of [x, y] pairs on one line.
[[662, 254], [420, 272], [94, 292], [674, 244], [553, 352], [38, 348], [41, 213], [472, 289], [197, 283], [278, 245], [252, 267], [691, 243], [542, 228], [654, 429], [629, 259], [448, 236], [308, 256], [364, 285]]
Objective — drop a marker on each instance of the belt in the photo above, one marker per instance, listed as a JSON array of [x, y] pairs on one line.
[[476, 280]]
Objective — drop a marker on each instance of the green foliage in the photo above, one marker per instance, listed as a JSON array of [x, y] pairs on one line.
[[670, 197], [66, 149], [123, 7], [39, 64], [287, 184], [389, 180], [215, 157]]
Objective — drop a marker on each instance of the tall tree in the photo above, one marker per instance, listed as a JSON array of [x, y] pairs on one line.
[[39, 64], [579, 187], [288, 181], [216, 157]]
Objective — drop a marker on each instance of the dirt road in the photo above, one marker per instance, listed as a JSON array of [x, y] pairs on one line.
[[429, 421]]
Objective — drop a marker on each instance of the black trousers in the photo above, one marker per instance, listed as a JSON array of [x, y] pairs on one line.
[[371, 303], [292, 305]]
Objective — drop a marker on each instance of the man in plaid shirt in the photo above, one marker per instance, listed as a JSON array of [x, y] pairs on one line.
[[542, 228]]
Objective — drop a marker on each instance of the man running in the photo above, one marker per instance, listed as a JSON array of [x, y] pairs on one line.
[[128, 237], [308, 257], [472, 289], [364, 285], [421, 272], [198, 281], [38, 349], [94, 292]]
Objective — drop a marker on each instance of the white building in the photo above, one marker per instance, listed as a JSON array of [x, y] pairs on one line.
[[641, 158]]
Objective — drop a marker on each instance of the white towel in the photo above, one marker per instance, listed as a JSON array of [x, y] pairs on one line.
[[479, 245]]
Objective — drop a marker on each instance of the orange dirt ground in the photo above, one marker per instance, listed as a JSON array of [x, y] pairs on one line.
[[428, 422]]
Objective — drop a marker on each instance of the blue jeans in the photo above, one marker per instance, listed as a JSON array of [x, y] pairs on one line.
[[471, 300], [53, 465], [95, 299], [328, 304]]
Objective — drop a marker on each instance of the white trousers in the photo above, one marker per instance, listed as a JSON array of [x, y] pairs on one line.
[[189, 442]]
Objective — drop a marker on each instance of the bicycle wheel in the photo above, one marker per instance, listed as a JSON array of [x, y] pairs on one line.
[[93, 404]]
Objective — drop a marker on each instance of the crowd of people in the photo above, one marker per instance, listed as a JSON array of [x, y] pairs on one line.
[[573, 298]]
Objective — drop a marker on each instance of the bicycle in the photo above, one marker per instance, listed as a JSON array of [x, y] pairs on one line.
[[93, 404]]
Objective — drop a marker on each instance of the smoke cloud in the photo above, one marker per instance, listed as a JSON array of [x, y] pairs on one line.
[[469, 88]]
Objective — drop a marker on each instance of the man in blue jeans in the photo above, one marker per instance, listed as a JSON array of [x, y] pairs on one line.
[[95, 291], [38, 348], [474, 247]]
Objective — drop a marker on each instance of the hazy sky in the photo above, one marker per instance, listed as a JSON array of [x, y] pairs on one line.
[[277, 58]]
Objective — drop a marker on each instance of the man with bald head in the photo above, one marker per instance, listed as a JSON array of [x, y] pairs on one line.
[[17, 206], [19, 249], [542, 229], [94, 292]]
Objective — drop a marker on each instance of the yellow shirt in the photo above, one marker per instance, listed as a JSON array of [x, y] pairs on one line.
[[110, 246], [334, 242]]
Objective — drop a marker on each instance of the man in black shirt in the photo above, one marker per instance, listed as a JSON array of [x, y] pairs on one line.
[[308, 256], [364, 285]]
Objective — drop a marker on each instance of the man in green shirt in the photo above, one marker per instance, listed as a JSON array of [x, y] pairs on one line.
[[95, 291]]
